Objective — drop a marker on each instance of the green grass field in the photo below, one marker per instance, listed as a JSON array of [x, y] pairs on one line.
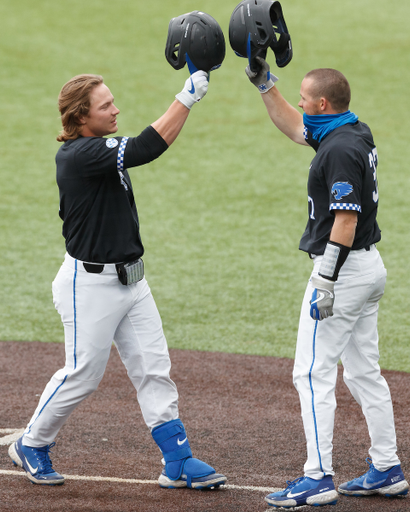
[[223, 210]]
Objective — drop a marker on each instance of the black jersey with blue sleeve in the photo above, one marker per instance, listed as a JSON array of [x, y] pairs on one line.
[[342, 176]]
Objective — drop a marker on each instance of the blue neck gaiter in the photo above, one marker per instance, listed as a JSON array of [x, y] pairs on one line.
[[321, 125]]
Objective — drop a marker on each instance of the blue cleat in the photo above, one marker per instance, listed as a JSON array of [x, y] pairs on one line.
[[35, 462], [387, 483], [305, 491]]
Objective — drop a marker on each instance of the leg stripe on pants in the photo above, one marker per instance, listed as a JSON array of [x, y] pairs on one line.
[[45, 405], [313, 395], [75, 350], [75, 317]]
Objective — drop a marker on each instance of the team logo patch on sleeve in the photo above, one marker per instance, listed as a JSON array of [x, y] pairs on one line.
[[111, 143], [341, 189]]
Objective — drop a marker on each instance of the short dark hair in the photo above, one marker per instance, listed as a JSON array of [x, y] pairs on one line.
[[74, 103], [332, 85]]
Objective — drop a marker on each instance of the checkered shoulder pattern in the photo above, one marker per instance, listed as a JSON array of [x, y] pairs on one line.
[[120, 156]]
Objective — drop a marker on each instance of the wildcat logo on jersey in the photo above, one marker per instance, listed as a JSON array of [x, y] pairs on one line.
[[341, 189], [111, 143]]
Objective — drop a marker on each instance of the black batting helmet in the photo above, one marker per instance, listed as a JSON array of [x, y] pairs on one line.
[[197, 39], [257, 25]]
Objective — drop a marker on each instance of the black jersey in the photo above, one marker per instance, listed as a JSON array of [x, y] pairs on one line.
[[97, 206], [342, 176]]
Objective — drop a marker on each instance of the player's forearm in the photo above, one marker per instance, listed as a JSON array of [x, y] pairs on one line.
[[344, 227], [170, 124], [285, 117]]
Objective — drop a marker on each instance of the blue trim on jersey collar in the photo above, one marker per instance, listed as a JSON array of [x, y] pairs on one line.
[[321, 125]]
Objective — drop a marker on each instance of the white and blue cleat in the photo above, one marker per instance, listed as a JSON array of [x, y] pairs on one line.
[[35, 462], [210, 481], [388, 483], [305, 491]]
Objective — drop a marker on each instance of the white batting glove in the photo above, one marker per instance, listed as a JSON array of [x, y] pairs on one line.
[[194, 89], [263, 79], [323, 297]]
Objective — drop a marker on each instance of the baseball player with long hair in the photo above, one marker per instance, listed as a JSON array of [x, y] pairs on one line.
[[100, 290], [339, 312]]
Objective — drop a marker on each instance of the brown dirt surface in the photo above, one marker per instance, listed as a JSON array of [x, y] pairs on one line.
[[241, 414]]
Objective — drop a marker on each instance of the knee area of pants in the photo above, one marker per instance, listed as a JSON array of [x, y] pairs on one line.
[[90, 371], [87, 382]]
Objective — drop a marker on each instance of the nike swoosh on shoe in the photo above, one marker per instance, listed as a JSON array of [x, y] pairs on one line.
[[367, 485], [290, 495], [32, 470]]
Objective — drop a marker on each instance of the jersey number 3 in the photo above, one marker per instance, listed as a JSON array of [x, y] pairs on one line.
[[373, 161]]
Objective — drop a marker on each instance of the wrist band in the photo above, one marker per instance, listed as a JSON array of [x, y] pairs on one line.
[[333, 258]]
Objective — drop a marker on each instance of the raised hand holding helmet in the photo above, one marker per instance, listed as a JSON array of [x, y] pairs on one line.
[[263, 79], [195, 88]]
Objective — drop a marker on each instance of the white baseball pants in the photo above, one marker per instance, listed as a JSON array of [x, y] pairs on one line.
[[96, 309], [350, 335]]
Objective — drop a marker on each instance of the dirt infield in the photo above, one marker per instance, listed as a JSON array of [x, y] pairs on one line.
[[241, 414]]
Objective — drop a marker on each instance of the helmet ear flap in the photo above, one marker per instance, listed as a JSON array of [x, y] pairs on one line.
[[282, 50], [173, 51], [174, 54], [281, 44]]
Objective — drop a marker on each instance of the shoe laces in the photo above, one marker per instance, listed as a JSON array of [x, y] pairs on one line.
[[43, 457], [291, 483], [371, 465]]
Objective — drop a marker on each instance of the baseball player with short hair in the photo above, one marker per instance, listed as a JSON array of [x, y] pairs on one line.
[[100, 290], [339, 311]]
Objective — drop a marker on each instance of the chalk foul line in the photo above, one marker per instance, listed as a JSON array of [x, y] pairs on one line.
[[12, 435], [140, 482]]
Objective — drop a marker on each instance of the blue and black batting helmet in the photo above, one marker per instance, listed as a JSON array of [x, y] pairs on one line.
[[197, 39], [257, 25]]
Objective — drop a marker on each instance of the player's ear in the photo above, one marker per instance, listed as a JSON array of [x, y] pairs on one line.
[[81, 114], [323, 104]]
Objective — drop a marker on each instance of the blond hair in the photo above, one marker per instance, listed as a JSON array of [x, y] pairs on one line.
[[74, 103], [330, 84]]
